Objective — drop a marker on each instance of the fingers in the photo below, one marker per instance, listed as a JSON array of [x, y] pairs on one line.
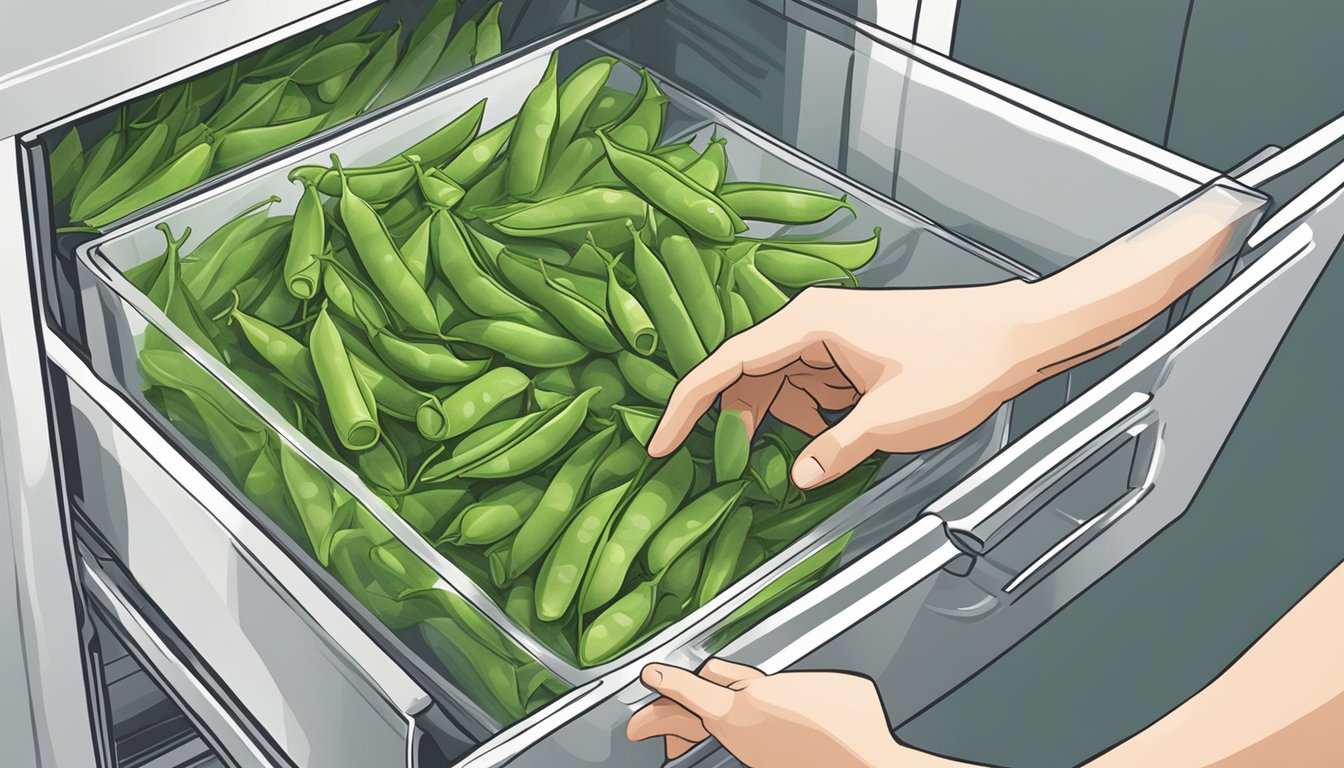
[[727, 673], [766, 348], [840, 448], [795, 407], [665, 717], [702, 698], [675, 746], [829, 388], [752, 395]]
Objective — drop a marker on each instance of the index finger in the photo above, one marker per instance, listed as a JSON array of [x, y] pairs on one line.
[[759, 350]]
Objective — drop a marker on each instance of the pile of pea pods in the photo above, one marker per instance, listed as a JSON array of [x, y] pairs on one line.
[[486, 328], [176, 138]]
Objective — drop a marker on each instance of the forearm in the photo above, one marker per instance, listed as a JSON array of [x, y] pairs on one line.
[[1087, 306]]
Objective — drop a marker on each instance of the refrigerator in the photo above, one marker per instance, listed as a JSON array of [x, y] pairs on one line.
[[150, 558]]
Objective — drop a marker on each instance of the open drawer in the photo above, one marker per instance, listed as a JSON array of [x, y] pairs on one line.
[[998, 197]]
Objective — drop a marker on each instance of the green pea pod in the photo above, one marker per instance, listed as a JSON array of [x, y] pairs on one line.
[[307, 242], [721, 561], [135, 167], [287, 355], [438, 189], [430, 362], [531, 140], [690, 523], [488, 679], [577, 96], [520, 343], [488, 40], [473, 162], [549, 438], [329, 61], [615, 629], [642, 128], [670, 315], [763, 297], [379, 255], [168, 291], [646, 377], [314, 498], [496, 515], [483, 444], [66, 162], [652, 504], [679, 156], [237, 147], [781, 203], [732, 446], [565, 564], [556, 380], [617, 465], [101, 157], [447, 142], [788, 525], [185, 171], [611, 106], [428, 511], [353, 28], [329, 90], [368, 81], [211, 281], [456, 55], [787, 587], [674, 193], [451, 244], [235, 446], [770, 469], [350, 295], [849, 255], [710, 168], [557, 504], [799, 270], [629, 316], [346, 394], [576, 316], [680, 578], [639, 421], [599, 212], [695, 289], [476, 400], [375, 184], [422, 51], [415, 252], [383, 466], [736, 311], [400, 400], [569, 166], [253, 104], [265, 486]]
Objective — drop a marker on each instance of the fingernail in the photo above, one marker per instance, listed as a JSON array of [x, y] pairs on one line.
[[652, 676], [807, 472]]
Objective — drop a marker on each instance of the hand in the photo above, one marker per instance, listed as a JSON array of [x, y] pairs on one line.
[[792, 718], [918, 367]]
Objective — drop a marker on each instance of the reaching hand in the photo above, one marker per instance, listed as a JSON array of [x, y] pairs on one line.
[[918, 367], [768, 721]]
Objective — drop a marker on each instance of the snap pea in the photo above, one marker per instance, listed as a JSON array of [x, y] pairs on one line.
[[429, 362], [422, 51], [616, 627], [610, 107], [576, 316], [477, 399], [375, 184], [400, 400], [520, 343], [850, 255], [695, 288], [349, 295], [138, 164], [183, 171], [770, 469], [557, 504], [571, 218], [383, 466], [788, 586], [415, 252], [312, 494], [497, 563], [618, 465], [456, 55], [496, 515], [488, 42], [428, 511], [577, 96], [652, 504], [670, 316], [679, 156], [601, 374], [347, 396], [642, 128], [307, 242], [646, 377], [458, 262], [753, 554], [799, 270], [438, 190], [732, 446], [566, 562], [161, 281], [487, 678], [680, 578], [66, 162], [535, 449], [473, 162], [235, 445], [287, 355], [639, 421], [483, 444], [330, 89], [368, 81], [781, 203], [672, 192], [725, 549], [265, 485], [690, 523], [212, 275], [378, 253], [629, 316], [736, 312], [788, 525], [763, 297], [101, 156], [253, 104], [556, 380], [449, 141], [238, 146], [710, 168], [569, 165], [531, 139]]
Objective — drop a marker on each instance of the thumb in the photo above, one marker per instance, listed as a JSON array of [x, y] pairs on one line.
[[838, 449], [704, 699]]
